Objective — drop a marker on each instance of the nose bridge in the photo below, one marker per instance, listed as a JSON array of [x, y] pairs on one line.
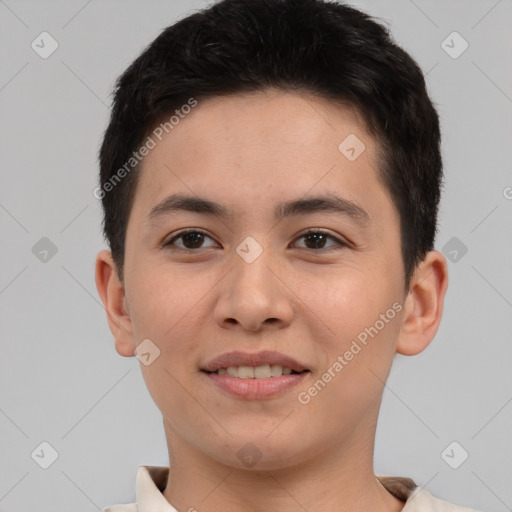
[[254, 282], [254, 272], [253, 295]]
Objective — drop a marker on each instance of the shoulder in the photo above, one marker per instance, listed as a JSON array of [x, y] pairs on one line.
[[422, 501], [416, 498]]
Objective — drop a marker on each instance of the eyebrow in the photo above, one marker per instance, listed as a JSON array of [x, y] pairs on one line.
[[327, 203]]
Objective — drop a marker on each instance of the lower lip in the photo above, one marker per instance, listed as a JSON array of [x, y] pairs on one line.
[[255, 389]]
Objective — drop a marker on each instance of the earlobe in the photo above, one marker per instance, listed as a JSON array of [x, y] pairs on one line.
[[423, 306], [113, 297]]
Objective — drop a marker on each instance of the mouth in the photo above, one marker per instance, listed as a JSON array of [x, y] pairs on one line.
[[256, 372], [247, 364], [254, 376]]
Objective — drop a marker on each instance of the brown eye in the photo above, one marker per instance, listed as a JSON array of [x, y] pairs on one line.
[[190, 240], [316, 239]]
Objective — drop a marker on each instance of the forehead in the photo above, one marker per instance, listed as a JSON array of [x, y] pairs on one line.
[[263, 145], [275, 118]]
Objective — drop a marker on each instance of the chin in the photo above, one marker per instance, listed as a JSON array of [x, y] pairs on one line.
[[260, 453]]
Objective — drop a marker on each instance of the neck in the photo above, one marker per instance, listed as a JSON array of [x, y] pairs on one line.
[[341, 478]]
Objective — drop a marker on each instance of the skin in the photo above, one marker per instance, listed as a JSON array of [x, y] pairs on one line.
[[250, 152]]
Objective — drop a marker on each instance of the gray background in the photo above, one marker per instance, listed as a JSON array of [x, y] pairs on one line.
[[61, 380]]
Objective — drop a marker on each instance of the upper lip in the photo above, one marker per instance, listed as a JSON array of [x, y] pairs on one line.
[[253, 359]]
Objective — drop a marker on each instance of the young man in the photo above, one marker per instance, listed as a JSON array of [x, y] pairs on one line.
[[270, 179]]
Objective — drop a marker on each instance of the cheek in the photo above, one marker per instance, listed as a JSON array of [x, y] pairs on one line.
[[168, 309], [343, 302], [157, 304], [165, 313], [358, 321]]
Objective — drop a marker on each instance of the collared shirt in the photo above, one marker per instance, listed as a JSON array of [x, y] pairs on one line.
[[151, 481]]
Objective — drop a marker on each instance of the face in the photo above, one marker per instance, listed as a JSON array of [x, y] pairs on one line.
[[320, 281]]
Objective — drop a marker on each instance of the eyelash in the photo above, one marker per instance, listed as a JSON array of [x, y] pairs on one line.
[[341, 244]]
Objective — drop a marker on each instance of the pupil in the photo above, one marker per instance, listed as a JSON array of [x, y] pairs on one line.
[[318, 237], [195, 238]]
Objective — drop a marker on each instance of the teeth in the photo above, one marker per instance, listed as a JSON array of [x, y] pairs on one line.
[[276, 371], [262, 372], [258, 372], [245, 372]]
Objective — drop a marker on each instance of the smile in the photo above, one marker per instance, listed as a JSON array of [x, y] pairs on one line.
[[251, 383], [256, 372]]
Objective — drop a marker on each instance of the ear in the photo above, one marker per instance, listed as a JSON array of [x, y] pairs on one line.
[[112, 295], [423, 307]]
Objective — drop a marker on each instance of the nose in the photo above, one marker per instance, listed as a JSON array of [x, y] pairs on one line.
[[253, 296]]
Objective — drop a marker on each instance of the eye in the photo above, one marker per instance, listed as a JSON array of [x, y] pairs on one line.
[[191, 238], [317, 239]]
